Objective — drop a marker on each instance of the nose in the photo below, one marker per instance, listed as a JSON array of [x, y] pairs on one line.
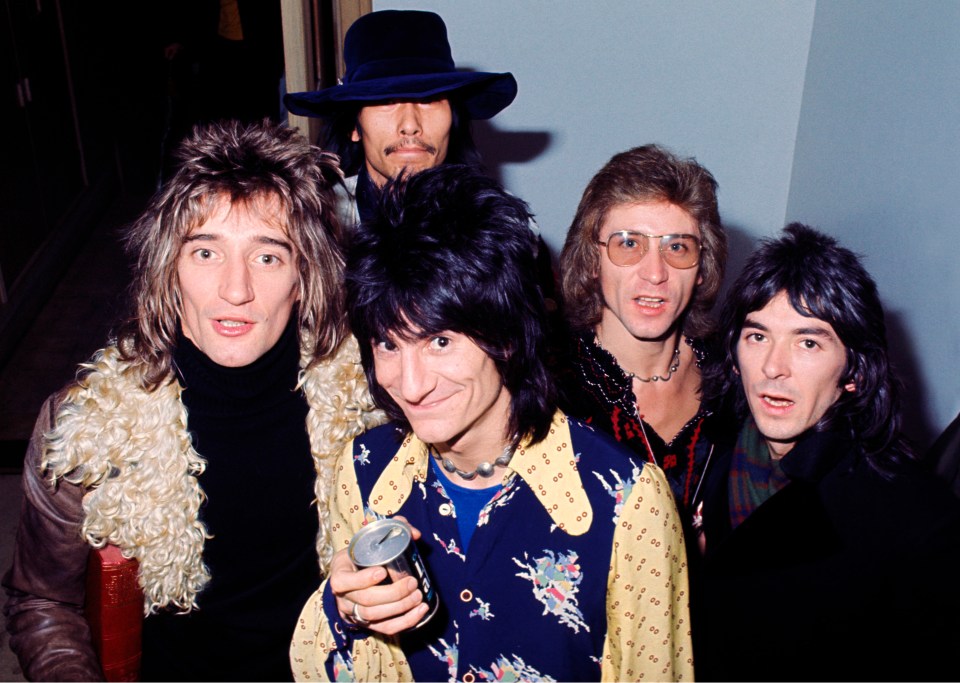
[[236, 282], [409, 121], [776, 363], [416, 381], [652, 267]]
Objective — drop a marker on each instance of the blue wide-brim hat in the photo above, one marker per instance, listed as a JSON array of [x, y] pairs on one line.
[[404, 55]]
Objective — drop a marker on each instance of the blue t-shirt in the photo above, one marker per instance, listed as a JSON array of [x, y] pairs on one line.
[[467, 502]]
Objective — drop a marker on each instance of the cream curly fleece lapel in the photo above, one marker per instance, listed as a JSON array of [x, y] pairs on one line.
[[131, 450]]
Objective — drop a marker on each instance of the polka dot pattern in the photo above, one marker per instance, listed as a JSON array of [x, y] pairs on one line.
[[648, 604]]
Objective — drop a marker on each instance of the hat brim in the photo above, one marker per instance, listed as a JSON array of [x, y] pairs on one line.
[[484, 94]]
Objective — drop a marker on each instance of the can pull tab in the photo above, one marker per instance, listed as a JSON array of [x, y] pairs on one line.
[[393, 533]]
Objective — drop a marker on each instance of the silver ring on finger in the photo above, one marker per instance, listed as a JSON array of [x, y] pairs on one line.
[[357, 619]]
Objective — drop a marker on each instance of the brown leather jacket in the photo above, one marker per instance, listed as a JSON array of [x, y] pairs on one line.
[[46, 583]]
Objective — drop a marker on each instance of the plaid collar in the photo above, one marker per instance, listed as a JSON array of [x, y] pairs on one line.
[[754, 475]]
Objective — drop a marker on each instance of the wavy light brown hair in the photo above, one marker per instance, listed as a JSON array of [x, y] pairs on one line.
[[643, 174], [260, 167]]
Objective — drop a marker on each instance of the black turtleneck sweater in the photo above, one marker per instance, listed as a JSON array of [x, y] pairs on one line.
[[249, 424]]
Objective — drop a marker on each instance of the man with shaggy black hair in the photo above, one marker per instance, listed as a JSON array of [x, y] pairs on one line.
[[554, 556], [830, 554], [196, 441]]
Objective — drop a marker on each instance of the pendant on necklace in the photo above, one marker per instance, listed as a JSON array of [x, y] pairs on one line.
[[674, 365]]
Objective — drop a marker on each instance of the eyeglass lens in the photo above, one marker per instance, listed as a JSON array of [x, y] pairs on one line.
[[679, 251]]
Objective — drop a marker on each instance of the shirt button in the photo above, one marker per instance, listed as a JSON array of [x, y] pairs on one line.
[[466, 595], [446, 509], [469, 678]]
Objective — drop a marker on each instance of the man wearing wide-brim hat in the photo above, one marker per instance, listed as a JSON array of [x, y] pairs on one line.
[[402, 104]]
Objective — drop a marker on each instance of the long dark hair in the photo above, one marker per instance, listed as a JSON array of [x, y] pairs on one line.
[[450, 250], [825, 281]]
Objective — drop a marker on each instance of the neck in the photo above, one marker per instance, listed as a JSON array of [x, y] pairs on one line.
[[778, 449], [367, 193], [273, 374], [376, 180], [642, 357], [483, 442]]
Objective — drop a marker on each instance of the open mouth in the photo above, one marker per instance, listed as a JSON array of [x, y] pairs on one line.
[[776, 401], [649, 301], [232, 327]]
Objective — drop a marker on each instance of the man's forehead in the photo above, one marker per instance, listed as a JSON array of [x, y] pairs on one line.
[[266, 209], [795, 310]]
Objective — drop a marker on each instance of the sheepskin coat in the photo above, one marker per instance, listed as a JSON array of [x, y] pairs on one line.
[[130, 451]]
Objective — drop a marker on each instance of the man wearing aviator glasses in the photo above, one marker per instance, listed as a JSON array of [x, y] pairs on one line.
[[642, 264]]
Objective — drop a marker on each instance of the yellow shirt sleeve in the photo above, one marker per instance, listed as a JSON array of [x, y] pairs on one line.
[[371, 658], [648, 614]]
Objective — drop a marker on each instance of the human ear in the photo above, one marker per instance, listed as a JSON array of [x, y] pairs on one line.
[[355, 135], [851, 387]]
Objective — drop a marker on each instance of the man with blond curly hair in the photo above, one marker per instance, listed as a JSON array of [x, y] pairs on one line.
[[196, 441]]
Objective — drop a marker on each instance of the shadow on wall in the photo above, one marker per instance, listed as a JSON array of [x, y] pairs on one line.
[[903, 357], [499, 147], [740, 244]]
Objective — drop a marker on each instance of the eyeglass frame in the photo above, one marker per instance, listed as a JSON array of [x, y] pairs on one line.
[[662, 238]]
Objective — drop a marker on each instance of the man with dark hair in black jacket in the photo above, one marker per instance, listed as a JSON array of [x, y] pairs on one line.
[[830, 553]]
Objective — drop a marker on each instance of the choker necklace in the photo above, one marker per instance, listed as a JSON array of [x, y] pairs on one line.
[[484, 469], [661, 378], [674, 365]]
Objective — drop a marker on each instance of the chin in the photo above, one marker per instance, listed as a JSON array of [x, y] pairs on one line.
[[779, 434], [235, 360], [429, 433]]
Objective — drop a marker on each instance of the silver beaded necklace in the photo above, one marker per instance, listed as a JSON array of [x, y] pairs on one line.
[[674, 366], [484, 469], [675, 363]]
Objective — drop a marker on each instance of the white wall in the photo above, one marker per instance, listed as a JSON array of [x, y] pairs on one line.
[[877, 165], [869, 86], [719, 81]]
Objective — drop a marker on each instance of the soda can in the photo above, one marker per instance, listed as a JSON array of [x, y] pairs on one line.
[[388, 543]]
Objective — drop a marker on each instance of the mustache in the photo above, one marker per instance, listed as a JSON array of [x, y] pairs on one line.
[[406, 143]]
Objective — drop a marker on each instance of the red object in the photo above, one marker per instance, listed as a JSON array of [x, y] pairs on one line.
[[114, 609]]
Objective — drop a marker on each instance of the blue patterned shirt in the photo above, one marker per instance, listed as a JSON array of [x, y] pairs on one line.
[[576, 570]]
